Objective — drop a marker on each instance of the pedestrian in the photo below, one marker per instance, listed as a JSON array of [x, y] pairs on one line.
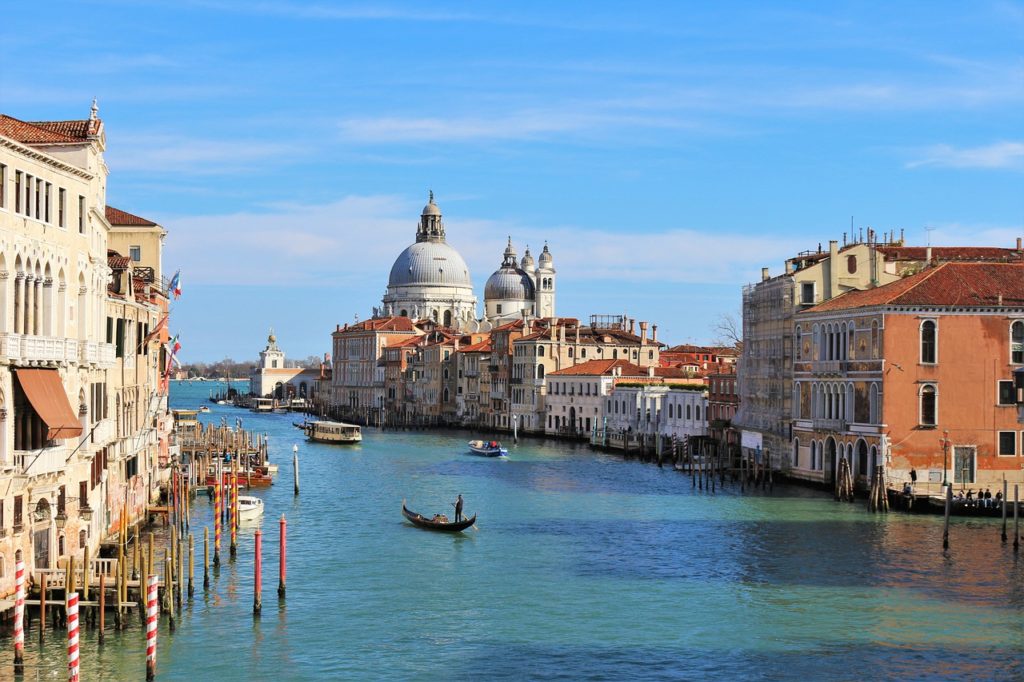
[[458, 508], [913, 476]]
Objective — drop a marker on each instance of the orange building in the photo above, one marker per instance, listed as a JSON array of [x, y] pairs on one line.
[[914, 375]]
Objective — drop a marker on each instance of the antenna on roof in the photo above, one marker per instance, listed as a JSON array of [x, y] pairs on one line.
[[929, 229]]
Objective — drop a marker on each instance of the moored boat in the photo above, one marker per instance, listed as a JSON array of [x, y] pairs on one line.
[[203, 408], [487, 448], [437, 522], [333, 432], [249, 507]]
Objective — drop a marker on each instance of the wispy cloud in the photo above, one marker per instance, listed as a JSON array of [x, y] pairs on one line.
[[998, 155], [169, 153]]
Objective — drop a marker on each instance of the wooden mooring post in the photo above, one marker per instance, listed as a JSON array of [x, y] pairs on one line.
[[949, 505], [1016, 526]]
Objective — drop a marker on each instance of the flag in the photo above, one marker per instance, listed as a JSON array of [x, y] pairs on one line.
[[175, 286], [175, 345], [157, 329]]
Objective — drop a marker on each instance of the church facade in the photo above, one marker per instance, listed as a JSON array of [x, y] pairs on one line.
[[430, 280]]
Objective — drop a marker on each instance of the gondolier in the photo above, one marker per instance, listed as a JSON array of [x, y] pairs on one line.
[[458, 508]]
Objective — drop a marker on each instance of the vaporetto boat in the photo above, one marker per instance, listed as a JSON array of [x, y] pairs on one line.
[[333, 432]]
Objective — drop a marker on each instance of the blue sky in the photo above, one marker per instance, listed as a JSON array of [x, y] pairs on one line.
[[666, 151]]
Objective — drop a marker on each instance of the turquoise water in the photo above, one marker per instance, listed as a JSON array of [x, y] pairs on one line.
[[584, 566]]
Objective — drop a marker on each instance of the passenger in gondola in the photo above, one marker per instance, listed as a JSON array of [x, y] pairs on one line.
[[999, 498], [458, 508], [908, 489], [970, 497]]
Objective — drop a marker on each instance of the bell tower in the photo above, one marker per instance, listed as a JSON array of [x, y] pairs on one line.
[[431, 227], [544, 278]]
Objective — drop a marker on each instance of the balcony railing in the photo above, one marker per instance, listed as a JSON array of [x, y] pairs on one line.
[[40, 462], [51, 350], [829, 424]]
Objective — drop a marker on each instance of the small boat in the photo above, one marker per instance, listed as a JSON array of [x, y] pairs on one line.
[[487, 448], [222, 402], [333, 432], [204, 408], [438, 522], [249, 507]]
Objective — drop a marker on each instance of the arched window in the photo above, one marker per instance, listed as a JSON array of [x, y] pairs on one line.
[[796, 452], [798, 336], [615, 353], [874, 339], [814, 455], [446, 395], [540, 351], [404, 313], [688, 411], [696, 412], [1017, 342], [447, 318], [540, 371], [929, 405], [929, 352], [873, 405], [583, 352]]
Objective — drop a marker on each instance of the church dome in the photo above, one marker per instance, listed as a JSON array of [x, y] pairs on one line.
[[431, 208], [429, 263], [509, 284], [545, 260], [527, 263]]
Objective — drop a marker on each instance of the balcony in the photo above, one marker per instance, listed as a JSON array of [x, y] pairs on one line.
[[40, 351], [835, 367], [41, 462], [829, 424]]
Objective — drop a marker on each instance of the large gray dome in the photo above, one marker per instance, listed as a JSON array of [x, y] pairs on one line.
[[509, 284], [429, 263]]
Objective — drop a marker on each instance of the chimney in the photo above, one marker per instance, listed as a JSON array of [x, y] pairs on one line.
[[1019, 249], [789, 267], [928, 256], [631, 325], [643, 333], [551, 332], [1000, 300], [654, 333], [577, 335], [764, 275], [561, 333], [833, 268], [650, 371], [337, 328]]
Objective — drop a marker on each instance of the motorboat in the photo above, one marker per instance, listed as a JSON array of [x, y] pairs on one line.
[[204, 408], [249, 507], [487, 448]]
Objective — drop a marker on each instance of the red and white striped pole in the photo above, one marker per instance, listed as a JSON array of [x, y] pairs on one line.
[[19, 615], [217, 504], [72, 609], [152, 619], [233, 519]]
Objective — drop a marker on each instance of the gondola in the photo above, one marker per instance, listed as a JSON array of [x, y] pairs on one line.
[[430, 524]]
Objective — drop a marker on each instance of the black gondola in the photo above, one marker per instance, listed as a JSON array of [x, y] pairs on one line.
[[430, 524]]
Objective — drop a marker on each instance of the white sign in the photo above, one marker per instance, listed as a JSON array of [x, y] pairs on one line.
[[750, 439]]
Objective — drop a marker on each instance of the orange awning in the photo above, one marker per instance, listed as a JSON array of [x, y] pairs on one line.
[[45, 391]]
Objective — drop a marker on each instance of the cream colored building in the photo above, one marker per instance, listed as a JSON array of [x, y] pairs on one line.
[[76, 375]]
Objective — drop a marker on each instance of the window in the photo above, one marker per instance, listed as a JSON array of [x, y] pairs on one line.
[[583, 352], [17, 191], [807, 293], [1007, 443], [81, 214], [929, 405], [963, 464], [851, 264], [540, 351], [1017, 342], [135, 253], [119, 339], [1007, 394], [46, 201], [61, 207], [39, 196], [498, 309], [3, 185], [928, 354]]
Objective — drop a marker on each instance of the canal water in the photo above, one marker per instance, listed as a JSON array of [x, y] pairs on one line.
[[583, 566]]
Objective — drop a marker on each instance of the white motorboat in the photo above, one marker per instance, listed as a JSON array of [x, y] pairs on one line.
[[249, 507], [487, 448]]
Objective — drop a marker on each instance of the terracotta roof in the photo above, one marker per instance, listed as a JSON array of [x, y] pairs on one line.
[[383, 324], [601, 368], [117, 261], [407, 342], [948, 284], [482, 347], [951, 253], [47, 132], [514, 324], [116, 216]]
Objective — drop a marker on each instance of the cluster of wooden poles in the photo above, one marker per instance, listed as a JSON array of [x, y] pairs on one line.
[[709, 466], [139, 567]]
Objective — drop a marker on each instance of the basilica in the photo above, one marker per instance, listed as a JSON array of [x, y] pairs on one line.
[[431, 280]]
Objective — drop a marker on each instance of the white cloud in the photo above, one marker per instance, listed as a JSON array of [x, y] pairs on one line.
[[997, 155], [355, 240]]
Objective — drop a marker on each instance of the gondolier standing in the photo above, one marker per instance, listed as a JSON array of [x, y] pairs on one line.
[[458, 508]]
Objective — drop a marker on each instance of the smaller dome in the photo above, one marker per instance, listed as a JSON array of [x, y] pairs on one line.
[[545, 258], [527, 263], [509, 284]]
